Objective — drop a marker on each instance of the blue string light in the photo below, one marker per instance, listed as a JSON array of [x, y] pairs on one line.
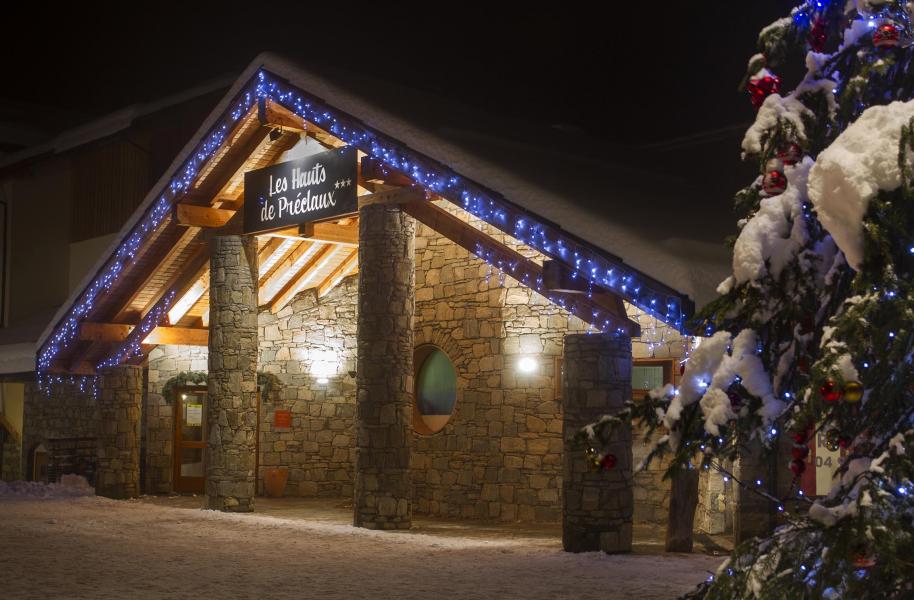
[[651, 297]]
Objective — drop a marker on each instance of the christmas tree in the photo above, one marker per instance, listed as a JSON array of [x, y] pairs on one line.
[[814, 331]]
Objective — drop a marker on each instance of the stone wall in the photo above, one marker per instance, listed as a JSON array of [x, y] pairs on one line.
[[11, 465], [307, 339], [67, 412], [159, 426]]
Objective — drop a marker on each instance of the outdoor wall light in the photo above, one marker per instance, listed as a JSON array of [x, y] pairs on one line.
[[527, 364], [323, 380]]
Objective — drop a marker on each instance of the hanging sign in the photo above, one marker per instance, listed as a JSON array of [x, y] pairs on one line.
[[313, 188]]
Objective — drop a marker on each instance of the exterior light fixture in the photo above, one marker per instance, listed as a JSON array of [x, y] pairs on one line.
[[323, 380], [527, 364]]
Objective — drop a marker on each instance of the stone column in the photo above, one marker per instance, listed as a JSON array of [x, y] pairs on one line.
[[753, 513], [120, 396], [231, 412], [596, 505], [383, 488]]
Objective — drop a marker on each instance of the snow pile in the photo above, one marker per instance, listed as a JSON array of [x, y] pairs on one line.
[[853, 169], [776, 108], [70, 486], [713, 367], [774, 235]]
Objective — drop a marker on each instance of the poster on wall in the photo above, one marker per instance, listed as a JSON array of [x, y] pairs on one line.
[[282, 420], [313, 188]]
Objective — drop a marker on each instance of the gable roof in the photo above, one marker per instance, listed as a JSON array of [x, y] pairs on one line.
[[615, 224]]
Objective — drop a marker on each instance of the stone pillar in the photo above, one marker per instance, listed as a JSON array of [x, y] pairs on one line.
[[120, 396], [597, 506], [753, 513], [231, 412], [383, 488]]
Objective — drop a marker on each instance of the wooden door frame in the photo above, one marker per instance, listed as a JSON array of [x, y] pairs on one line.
[[176, 458]]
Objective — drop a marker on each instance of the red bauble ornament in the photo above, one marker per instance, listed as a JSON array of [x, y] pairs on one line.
[[799, 438], [887, 35], [682, 368], [797, 467], [817, 35], [736, 402], [829, 392], [761, 87], [774, 183], [790, 155], [799, 451], [845, 441], [608, 462]]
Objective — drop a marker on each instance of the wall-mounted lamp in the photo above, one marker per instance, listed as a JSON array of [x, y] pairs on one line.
[[527, 364]]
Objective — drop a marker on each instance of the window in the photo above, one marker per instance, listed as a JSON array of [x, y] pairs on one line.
[[649, 373], [436, 390]]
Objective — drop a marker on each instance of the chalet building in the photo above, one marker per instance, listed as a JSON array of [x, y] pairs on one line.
[[338, 289]]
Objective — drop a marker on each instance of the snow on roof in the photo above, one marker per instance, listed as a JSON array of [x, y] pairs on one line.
[[631, 213], [110, 124]]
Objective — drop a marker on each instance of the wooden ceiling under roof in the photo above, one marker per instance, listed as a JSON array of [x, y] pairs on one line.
[[175, 258]]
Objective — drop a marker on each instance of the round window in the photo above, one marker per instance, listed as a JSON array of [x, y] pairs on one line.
[[436, 390]]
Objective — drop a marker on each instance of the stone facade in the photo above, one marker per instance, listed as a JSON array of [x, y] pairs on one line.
[[232, 384], [159, 425], [597, 505], [308, 339], [65, 412], [120, 397], [11, 465], [383, 487]]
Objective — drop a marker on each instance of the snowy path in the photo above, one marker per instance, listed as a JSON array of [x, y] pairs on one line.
[[95, 548]]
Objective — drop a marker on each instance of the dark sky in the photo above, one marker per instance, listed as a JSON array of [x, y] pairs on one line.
[[620, 73]]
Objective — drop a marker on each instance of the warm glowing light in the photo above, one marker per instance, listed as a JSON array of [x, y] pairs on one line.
[[527, 364]]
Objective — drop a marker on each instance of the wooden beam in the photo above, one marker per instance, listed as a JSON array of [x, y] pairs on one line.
[[183, 304], [519, 267], [283, 247], [191, 215], [399, 195], [294, 260], [118, 332], [338, 273], [294, 285], [345, 235], [179, 336], [273, 115], [371, 170], [559, 278], [104, 332]]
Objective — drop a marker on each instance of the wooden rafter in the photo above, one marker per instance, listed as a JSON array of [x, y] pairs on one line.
[[274, 260], [529, 273], [286, 269], [272, 114], [305, 274], [118, 332], [183, 304], [334, 233], [338, 273], [193, 215]]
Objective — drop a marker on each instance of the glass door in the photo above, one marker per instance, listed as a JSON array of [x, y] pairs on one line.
[[190, 440]]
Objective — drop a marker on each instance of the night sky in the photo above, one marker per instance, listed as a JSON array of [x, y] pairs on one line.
[[635, 77]]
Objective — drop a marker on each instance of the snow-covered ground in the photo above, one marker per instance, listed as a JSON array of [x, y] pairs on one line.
[[66, 546]]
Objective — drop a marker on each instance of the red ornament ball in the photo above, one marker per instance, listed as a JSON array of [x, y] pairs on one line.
[[682, 368], [761, 87], [830, 392], [799, 437], [790, 155], [799, 452], [845, 441], [887, 35], [774, 183], [736, 402], [608, 462], [817, 35], [797, 467]]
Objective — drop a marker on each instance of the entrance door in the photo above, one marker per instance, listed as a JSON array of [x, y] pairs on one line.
[[190, 440]]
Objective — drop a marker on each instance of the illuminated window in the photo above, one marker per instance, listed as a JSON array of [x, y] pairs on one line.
[[436, 390]]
